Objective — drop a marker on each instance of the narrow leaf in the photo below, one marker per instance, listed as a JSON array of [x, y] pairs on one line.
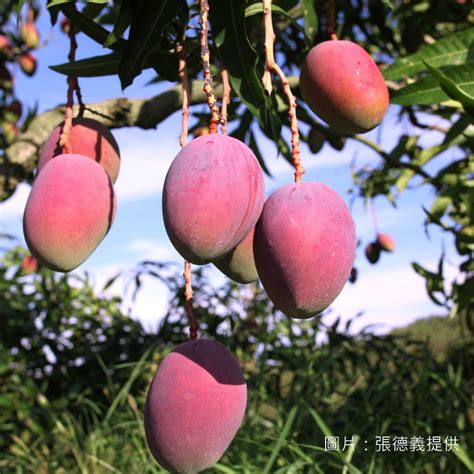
[[127, 13], [448, 51], [241, 60], [453, 89], [88, 26], [91, 67], [428, 90], [146, 33], [281, 440], [310, 20]]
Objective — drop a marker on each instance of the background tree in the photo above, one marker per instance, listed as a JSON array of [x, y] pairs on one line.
[[298, 394]]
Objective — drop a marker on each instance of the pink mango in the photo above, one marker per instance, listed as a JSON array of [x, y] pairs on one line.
[[87, 137], [304, 248], [195, 405], [69, 211], [239, 264], [342, 84], [212, 197]]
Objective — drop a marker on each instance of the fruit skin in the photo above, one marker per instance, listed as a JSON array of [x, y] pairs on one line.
[[372, 252], [201, 131], [27, 64], [195, 405], [29, 34], [212, 197], [87, 137], [29, 265], [304, 248], [5, 46], [69, 211], [385, 242], [239, 264], [342, 84]]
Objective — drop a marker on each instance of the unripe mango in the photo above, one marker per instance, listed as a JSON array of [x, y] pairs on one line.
[[30, 34], [195, 405], [69, 211], [372, 252], [87, 137], [239, 264], [304, 248], [212, 197], [342, 84], [27, 64], [385, 242], [29, 264], [5, 46]]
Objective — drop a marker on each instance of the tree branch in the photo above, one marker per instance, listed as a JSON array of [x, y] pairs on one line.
[[20, 158]]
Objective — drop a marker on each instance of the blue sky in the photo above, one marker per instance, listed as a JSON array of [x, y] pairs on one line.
[[389, 293]]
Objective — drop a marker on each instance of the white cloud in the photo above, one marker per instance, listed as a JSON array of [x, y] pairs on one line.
[[13, 208], [144, 164], [388, 298], [154, 250]]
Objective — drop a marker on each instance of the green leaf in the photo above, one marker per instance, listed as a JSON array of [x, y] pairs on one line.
[[127, 13], [254, 146], [448, 51], [440, 206], [452, 88], [88, 26], [463, 456], [310, 19], [257, 8], [241, 60], [428, 90], [285, 432], [91, 67], [146, 33]]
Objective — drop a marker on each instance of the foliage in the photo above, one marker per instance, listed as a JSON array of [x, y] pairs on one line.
[[85, 412], [427, 47], [60, 416]]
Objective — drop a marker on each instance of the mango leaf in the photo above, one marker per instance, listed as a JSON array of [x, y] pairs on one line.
[[164, 63], [88, 26], [428, 90], [433, 281], [241, 60], [91, 67], [127, 13], [439, 207], [146, 33], [254, 146], [257, 8], [448, 51], [462, 128], [310, 20], [451, 87]]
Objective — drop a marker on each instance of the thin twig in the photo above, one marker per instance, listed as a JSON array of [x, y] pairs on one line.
[[71, 87], [225, 99], [183, 77], [331, 17], [206, 66], [373, 215], [188, 305], [272, 66], [188, 290]]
